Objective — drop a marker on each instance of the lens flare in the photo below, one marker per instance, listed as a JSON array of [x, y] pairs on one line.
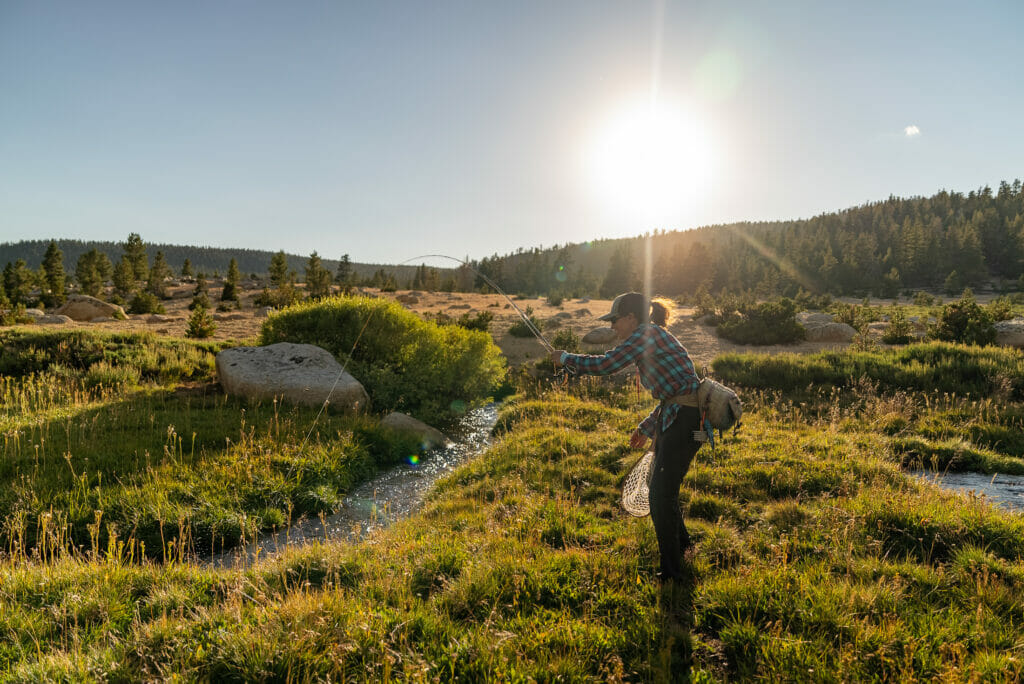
[[414, 460]]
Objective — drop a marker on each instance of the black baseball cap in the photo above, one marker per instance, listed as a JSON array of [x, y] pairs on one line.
[[625, 304]]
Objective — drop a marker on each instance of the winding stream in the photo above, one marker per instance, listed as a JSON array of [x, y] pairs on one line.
[[1005, 491], [376, 503]]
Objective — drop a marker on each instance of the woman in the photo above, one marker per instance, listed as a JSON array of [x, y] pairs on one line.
[[666, 370]]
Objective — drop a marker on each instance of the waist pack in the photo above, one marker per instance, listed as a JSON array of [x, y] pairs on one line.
[[719, 405]]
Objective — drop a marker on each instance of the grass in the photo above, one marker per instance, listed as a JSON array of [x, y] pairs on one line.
[[817, 558]]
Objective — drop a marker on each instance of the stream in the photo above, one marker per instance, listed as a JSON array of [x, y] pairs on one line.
[[1004, 491], [375, 504]]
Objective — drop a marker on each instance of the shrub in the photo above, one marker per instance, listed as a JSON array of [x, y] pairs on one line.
[[566, 340], [200, 324], [923, 299], [480, 321], [965, 321], [405, 362], [145, 303], [899, 330], [555, 299], [1000, 308], [520, 329], [764, 323]]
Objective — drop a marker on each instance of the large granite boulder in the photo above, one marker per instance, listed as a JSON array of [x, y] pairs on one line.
[[1010, 333], [52, 319], [429, 437], [599, 336], [809, 318], [830, 332], [300, 373], [81, 307]]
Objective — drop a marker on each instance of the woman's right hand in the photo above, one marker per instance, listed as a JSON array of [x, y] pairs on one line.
[[637, 440], [556, 357]]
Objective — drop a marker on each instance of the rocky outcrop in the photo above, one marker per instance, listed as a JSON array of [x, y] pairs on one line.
[[429, 437], [1010, 333], [808, 318], [599, 336], [53, 319], [85, 308], [300, 373]]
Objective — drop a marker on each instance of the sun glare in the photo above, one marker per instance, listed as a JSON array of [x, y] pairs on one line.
[[649, 161]]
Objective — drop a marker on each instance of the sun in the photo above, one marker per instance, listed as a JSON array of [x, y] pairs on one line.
[[649, 161]]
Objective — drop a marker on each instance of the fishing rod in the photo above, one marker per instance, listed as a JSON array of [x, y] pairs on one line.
[[526, 319]]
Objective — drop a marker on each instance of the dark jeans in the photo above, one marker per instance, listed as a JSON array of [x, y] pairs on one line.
[[673, 452]]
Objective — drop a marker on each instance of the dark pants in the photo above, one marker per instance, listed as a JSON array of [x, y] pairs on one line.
[[673, 452]]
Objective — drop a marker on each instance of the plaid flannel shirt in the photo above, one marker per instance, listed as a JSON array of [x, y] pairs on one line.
[[665, 369]]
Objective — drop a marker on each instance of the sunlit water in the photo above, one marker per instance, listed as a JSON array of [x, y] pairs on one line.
[[377, 503], [1005, 491]]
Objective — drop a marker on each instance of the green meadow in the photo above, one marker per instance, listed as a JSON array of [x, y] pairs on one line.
[[818, 556]]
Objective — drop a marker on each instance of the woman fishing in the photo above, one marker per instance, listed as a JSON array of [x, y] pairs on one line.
[[666, 370]]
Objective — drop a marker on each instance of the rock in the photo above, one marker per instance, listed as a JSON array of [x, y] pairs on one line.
[[830, 332], [158, 318], [460, 306], [104, 319], [264, 312], [229, 316], [1010, 333], [563, 314], [877, 328], [301, 373], [808, 319], [407, 299], [429, 437], [599, 336], [86, 308], [53, 319], [35, 313], [583, 300], [583, 313]]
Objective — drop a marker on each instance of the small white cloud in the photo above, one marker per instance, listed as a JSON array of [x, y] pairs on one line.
[[911, 131]]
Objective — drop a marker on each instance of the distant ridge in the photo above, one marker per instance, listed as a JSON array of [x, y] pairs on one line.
[[205, 259]]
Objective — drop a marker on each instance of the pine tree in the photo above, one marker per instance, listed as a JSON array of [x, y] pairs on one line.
[[87, 273], [279, 269], [620, 273], [156, 283], [200, 296], [318, 278], [135, 252], [124, 277], [200, 323], [186, 269], [343, 276], [18, 282], [230, 291], [54, 280]]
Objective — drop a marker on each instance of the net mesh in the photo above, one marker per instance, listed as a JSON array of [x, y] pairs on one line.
[[637, 486]]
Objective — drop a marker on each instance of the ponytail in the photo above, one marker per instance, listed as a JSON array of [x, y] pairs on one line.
[[661, 311]]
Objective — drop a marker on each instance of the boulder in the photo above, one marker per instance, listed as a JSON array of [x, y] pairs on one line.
[[53, 319], [85, 308], [563, 314], [300, 373], [460, 306], [407, 299], [877, 328], [35, 313], [104, 319], [263, 312], [830, 332], [229, 316], [157, 318], [808, 318], [1010, 333], [599, 336], [583, 313], [429, 437]]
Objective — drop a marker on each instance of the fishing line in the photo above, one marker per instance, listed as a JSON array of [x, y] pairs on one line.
[[526, 319]]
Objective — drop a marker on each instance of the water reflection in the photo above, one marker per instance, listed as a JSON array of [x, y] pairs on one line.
[[379, 502], [1005, 491]]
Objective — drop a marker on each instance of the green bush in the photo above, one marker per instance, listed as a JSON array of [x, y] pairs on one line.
[[405, 363], [965, 321], [480, 321], [566, 340], [1000, 308], [763, 323], [200, 324], [899, 330], [145, 303], [520, 329]]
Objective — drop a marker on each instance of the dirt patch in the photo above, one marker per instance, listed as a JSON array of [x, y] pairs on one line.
[[243, 326]]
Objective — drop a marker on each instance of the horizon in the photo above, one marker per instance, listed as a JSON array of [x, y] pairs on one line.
[[386, 132]]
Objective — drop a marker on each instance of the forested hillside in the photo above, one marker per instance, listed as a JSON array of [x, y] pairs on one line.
[[950, 240]]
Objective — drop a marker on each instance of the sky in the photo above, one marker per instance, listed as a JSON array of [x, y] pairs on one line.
[[387, 130]]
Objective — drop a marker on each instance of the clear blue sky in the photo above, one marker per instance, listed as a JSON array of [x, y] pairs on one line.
[[386, 130]]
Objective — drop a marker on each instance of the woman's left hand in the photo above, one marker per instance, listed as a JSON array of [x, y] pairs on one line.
[[637, 440]]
